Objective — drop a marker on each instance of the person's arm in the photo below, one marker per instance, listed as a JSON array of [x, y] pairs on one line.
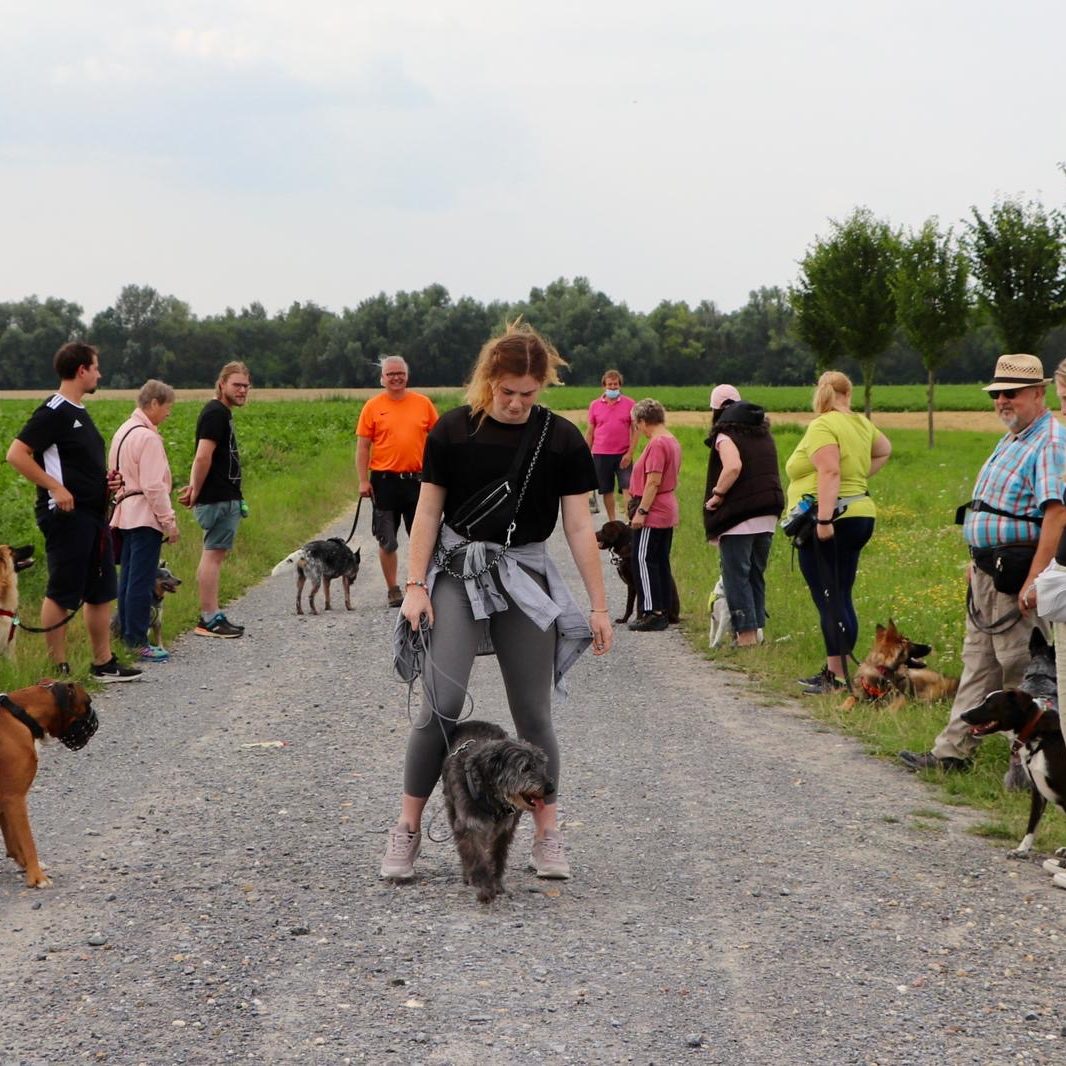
[[647, 497], [423, 540], [20, 456], [152, 468], [879, 453], [577, 526], [731, 467], [634, 436], [362, 464], [201, 464], [826, 462], [1050, 532]]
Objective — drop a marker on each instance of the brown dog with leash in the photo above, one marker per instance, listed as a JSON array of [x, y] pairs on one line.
[[617, 538], [57, 709], [12, 560]]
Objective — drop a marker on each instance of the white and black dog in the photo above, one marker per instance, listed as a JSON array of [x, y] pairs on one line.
[[321, 561]]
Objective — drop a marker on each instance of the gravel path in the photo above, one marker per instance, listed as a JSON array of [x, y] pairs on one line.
[[748, 888]]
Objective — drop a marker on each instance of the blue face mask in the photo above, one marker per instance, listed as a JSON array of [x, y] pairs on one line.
[[612, 394]]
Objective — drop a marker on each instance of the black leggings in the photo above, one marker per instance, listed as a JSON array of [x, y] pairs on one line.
[[526, 655], [830, 567]]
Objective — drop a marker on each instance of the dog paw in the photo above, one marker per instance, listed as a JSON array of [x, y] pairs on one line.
[[1019, 853], [39, 882]]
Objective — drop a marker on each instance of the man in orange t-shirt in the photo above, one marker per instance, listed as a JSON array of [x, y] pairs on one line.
[[391, 433]]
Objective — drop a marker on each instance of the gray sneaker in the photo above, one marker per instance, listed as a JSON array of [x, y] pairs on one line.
[[400, 855], [549, 856]]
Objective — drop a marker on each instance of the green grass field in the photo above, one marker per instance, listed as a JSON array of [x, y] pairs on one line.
[[299, 476]]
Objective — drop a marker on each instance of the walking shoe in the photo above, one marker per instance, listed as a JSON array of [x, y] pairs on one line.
[[652, 622], [1059, 880], [113, 670], [219, 626], [814, 678], [914, 760], [549, 856], [395, 595], [151, 654], [400, 855], [825, 683], [1055, 866]]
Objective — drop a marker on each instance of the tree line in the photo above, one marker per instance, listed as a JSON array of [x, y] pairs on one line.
[[868, 300]]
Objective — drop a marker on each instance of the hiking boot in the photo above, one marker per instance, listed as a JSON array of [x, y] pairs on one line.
[[219, 626], [914, 760], [395, 595], [400, 855], [113, 671], [652, 622], [824, 684], [151, 654], [549, 856]]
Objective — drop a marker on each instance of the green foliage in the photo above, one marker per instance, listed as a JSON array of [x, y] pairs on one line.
[[1019, 264], [932, 299], [844, 299]]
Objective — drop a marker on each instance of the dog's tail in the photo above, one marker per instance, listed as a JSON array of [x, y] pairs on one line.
[[290, 561]]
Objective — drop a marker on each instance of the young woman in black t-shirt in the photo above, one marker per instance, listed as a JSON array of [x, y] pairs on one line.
[[467, 449]]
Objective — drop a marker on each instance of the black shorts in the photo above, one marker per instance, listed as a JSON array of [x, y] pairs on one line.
[[81, 565], [395, 500], [608, 467]]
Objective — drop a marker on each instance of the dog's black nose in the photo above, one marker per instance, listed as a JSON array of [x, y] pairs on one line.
[[549, 788]]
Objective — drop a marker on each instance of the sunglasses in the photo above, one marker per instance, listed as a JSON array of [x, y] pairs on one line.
[[1009, 394]]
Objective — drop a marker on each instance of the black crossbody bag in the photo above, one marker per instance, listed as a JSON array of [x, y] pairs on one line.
[[497, 503]]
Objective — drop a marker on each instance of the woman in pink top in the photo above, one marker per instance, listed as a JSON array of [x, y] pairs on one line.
[[143, 512], [655, 515]]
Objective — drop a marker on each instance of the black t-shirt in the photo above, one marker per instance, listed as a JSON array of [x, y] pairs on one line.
[[464, 460], [223, 481], [67, 444]]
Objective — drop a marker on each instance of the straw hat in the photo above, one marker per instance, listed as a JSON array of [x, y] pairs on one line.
[[1017, 372]]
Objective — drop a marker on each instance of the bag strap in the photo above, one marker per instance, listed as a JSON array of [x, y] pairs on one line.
[[118, 455], [978, 506]]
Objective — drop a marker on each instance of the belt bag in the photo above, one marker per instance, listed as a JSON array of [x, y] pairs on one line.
[[1008, 566], [798, 525], [494, 508]]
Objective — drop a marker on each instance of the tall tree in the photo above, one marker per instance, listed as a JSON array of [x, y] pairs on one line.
[[932, 299], [843, 301], [1019, 262]]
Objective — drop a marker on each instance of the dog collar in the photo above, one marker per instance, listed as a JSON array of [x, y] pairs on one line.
[[31, 724], [14, 623], [1023, 737]]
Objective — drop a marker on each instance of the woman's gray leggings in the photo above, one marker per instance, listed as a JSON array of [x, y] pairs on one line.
[[527, 662]]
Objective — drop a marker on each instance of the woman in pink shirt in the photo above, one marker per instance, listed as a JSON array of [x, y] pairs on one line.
[[611, 437], [655, 515], [143, 512]]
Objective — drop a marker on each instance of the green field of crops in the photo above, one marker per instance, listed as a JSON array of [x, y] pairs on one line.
[[299, 476]]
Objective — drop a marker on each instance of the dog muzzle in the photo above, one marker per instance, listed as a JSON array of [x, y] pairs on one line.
[[79, 733]]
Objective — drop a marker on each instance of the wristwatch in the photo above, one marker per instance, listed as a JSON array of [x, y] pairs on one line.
[[640, 510]]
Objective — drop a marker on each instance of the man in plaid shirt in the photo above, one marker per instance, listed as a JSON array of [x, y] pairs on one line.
[[1024, 478]]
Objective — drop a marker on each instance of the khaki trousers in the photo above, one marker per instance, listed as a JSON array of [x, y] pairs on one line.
[[989, 662]]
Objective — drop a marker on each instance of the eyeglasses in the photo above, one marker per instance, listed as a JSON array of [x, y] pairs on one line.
[[238, 385], [1009, 394], [396, 373]]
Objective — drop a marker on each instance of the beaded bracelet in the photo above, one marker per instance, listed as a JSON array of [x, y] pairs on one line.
[[417, 584]]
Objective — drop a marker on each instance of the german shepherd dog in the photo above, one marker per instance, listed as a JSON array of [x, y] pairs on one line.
[[488, 780], [617, 538], [1037, 736], [12, 560], [320, 562], [895, 670]]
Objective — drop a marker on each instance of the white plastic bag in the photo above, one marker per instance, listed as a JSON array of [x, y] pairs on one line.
[[1051, 593]]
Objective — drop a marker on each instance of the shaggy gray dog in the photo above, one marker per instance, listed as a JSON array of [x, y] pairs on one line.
[[488, 780]]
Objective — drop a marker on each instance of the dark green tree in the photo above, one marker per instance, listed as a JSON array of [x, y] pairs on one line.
[[843, 300], [932, 299], [1018, 258]]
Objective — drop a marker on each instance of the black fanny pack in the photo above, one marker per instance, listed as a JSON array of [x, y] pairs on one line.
[[1008, 566]]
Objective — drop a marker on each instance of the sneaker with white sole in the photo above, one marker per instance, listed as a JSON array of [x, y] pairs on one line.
[[400, 855], [218, 626], [1054, 866], [113, 671], [549, 856]]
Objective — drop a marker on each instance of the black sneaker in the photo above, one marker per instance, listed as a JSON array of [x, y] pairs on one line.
[[113, 671], [926, 760], [219, 626], [814, 679], [824, 684], [650, 623]]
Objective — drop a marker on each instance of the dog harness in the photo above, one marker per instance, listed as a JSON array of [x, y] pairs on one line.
[[18, 712]]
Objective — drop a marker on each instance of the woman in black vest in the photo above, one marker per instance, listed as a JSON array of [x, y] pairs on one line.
[[742, 503]]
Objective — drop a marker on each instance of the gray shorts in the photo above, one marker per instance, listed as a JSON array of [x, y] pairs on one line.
[[219, 521]]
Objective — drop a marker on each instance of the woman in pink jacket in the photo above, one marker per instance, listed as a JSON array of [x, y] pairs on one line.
[[143, 512]]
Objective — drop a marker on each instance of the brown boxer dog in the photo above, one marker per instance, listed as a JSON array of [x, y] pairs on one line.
[[51, 708]]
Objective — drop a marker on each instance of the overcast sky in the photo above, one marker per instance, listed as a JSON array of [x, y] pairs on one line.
[[268, 150]]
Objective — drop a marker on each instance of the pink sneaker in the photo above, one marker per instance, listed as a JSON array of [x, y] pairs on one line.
[[400, 855], [549, 856]]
